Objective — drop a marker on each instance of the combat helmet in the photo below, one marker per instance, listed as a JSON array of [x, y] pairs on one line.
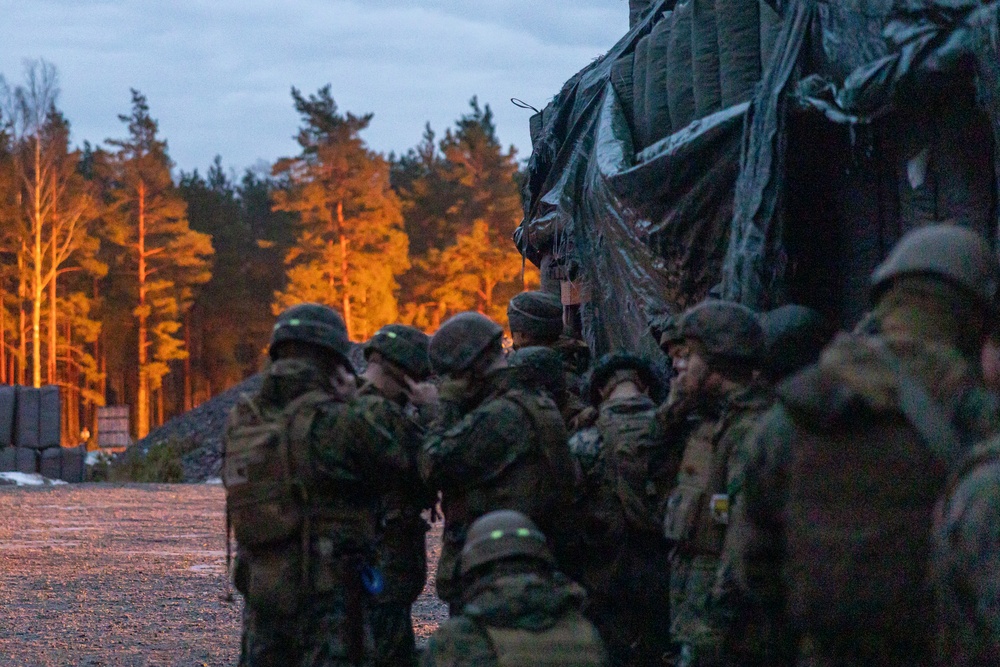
[[311, 323], [609, 364], [503, 534], [460, 341], [538, 314], [404, 346], [794, 336], [957, 254], [728, 330], [540, 367]]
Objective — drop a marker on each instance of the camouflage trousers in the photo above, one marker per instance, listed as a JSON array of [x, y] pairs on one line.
[[314, 637], [694, 626], [392, 628]]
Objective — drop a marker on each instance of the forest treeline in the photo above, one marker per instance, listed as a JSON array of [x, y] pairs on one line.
[[126, 282]]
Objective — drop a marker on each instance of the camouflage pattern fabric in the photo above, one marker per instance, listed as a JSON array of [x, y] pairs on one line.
[[402, 551], [312, 638], [497, 457], [622, 564], [351, 459], [529, 602], [966, 563], [701, 622], [755, 552]]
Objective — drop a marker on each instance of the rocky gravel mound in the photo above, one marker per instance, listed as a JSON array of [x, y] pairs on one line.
[[200, 429]]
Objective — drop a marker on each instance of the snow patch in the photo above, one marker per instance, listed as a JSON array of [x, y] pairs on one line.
[[27, 479], [213, 480]]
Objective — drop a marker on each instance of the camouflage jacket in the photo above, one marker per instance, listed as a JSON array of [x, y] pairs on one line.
[[402, 549], [350, 460], [509, 452], [966, 566], [540, 610], [850, 379], [697, 517]]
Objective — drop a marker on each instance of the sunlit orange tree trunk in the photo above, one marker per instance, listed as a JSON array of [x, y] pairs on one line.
[[166, 258]]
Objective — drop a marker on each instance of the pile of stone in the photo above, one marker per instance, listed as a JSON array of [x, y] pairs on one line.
[[199, 432], [30, 421]]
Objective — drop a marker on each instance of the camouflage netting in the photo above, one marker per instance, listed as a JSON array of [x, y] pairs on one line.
[[866, 122]]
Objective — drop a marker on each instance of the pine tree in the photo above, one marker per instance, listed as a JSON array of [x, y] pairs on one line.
[[164, 257], [351, 245], [461, 202]]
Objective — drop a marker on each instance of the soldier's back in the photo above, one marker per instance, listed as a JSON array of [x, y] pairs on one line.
[[519, 620], [966, 562]]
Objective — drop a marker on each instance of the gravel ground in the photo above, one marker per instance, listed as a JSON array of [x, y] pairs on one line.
[[125, 575]]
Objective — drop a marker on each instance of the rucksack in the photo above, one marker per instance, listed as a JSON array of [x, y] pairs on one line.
[[631, 455], [571, 642], [862, 489], [266, 469]]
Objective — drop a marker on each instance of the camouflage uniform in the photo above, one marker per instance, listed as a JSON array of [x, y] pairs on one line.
[[350, 457], [517, 612], [711, 475], [507, 450], [625, 475], [402, 352], [301, 557], [402, 530], [496, 457], [539, 317], [702, 620], [967, 562], [859, 401]]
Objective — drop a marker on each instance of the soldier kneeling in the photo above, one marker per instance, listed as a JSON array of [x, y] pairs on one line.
[[517, 611]]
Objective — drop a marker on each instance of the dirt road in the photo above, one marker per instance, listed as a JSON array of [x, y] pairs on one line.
[[131, 576]]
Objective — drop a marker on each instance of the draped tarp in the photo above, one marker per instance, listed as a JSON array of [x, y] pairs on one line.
[[796, 196]]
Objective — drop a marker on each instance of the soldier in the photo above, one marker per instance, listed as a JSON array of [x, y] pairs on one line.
[[518, 610], [536, 319], [830, 537], [794, 336], [625, 475], [303, 470], [966, 563], [507, 451], [715, 363], [392, 392], [542, 368]]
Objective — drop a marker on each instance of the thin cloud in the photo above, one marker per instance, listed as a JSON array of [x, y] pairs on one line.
[[218, 74]]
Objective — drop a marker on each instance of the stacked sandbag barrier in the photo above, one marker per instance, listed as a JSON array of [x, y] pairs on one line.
[[680, 70], [30, 435], [699, 57], [659, 97], [705, 58]]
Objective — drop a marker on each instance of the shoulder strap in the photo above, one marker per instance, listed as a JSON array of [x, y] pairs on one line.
[[550, 431], [980, 455], [930, 419]]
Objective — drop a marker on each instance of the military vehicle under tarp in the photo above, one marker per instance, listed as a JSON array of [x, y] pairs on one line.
[[767, 151]]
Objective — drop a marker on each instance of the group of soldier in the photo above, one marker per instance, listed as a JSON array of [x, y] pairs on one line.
[[784, 496]]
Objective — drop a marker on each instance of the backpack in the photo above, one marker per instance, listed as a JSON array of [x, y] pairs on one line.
[[632, 454], [571, 642], [266, 469], [862, 489]]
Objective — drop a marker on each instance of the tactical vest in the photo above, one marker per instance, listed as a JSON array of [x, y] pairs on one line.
[[550, 430], [862, 490], [631, 449], [571, 642], [266, 470], [691, 521]]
